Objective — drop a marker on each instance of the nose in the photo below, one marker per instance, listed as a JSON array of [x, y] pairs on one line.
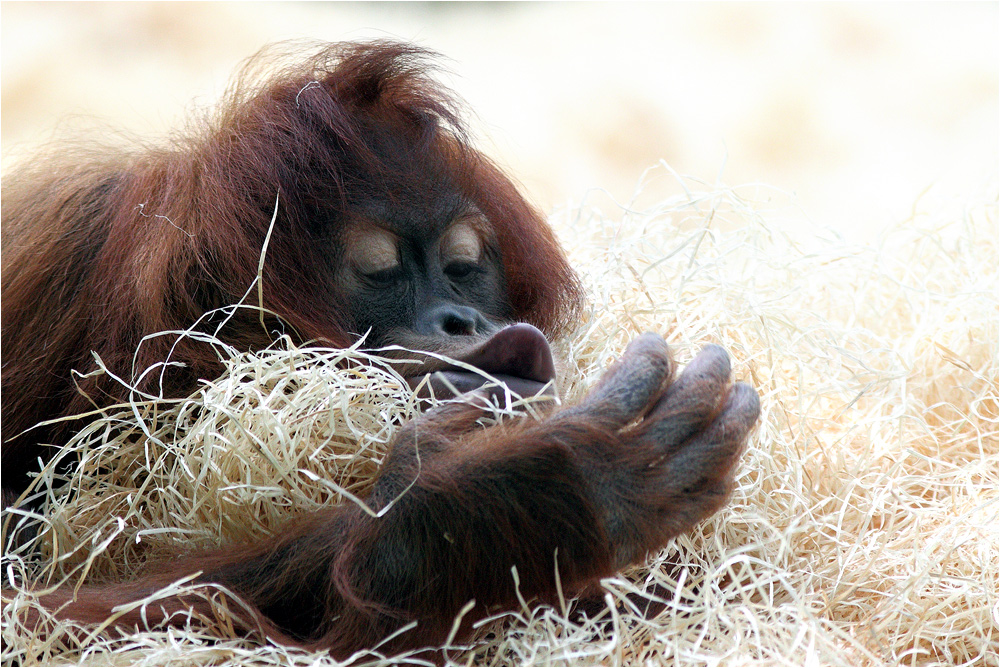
[[453, 320]]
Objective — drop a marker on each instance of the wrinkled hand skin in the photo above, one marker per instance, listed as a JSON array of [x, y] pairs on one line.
[[657, 452], [674, 467], [592, 488]]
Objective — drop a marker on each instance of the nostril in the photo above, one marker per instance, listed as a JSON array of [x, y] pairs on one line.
[[451, 320], [454, 324]]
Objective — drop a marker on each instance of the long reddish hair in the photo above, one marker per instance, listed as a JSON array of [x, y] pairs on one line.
[[104, 248]]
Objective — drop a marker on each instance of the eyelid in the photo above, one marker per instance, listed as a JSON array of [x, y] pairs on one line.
[[462, 242], [372, 250], [385, 276], [462, 268]]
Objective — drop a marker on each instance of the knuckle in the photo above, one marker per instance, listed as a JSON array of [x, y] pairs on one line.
[[744, 403], [711, 364]]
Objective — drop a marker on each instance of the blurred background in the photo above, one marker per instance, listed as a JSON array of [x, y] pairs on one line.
[[857, 110]]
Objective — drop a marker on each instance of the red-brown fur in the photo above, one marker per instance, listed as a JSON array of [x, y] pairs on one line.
[[99, 253]]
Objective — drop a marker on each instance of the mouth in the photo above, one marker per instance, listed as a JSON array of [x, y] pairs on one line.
[[518, 357]]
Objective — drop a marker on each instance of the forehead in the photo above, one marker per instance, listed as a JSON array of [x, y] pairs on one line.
[[420, 217]]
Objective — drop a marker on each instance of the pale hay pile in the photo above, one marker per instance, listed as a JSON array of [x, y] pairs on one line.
[[864, 529]]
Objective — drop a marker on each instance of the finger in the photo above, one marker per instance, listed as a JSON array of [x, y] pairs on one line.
[[676, 491], [631, 385], [695, 482], [709, 457], [690, 402]]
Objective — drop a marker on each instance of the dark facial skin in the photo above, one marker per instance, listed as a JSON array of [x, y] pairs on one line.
[[387, 225], [447, 281], [441, 289], [416, 258]]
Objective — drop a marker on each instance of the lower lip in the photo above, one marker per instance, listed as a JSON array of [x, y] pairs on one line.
[[447, 384]]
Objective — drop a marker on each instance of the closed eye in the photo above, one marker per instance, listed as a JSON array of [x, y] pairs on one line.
[[385, 277], [462, 270]]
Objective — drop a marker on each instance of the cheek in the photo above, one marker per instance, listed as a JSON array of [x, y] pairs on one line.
[[489, 296], [499, 297], [380, 311]]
